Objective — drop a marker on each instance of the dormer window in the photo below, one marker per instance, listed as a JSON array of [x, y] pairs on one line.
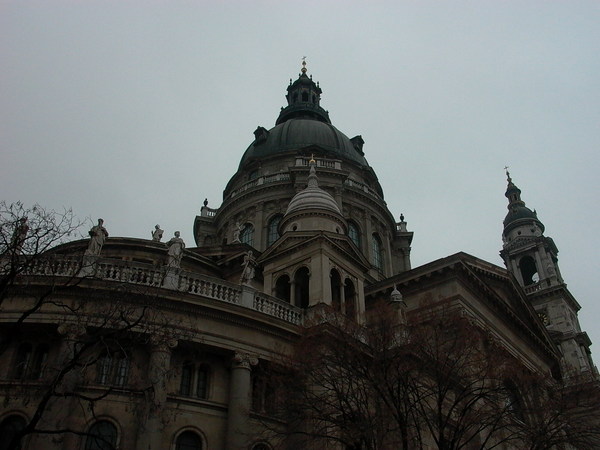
[[260, 135], [305, 96]]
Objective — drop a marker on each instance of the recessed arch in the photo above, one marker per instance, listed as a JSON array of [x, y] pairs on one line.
[[9, 427], [336, 289], [301, 287], [529, 270], [189, 439], [102, 435], [350, 299], [283, 288]]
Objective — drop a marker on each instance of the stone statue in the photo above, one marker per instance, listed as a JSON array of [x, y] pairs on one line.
[[237, 229], [175, 252], [157, 234], [98, 235], [19, 235], [249, 264]]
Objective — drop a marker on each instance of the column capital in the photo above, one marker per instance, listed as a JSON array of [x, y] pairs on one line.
[[71, 331], [162, 343], [243, 360]]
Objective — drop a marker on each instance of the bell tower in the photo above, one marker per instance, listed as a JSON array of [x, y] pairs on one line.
[[532, 258], [527, 253]]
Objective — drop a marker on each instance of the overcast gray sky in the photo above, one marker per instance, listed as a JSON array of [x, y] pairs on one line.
[[135, 111]]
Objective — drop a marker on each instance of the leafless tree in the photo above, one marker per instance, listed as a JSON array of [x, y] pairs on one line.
[[78, 342], [560, 413], [439, 380]]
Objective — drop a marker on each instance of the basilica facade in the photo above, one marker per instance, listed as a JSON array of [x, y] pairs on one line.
[[140, 344]]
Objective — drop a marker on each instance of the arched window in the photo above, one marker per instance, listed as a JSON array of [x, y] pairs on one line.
[[354, 233], [283, 288], [336, 290], [302, 283], [529, 270], [101, 436], [261, 446], [247, 234], [377, 252], [202, 381], [188, 440], [272, 229], [8, 429]]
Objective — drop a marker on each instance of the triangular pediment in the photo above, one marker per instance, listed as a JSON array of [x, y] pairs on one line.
[[299, 242]]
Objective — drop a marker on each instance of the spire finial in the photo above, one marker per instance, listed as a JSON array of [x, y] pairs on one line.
[[507, 174], [303, 70]]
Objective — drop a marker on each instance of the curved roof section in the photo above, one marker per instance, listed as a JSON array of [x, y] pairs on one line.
[[294, 134], [313, 197]]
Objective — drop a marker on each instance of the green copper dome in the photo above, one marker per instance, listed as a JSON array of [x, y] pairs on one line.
[[296, 134], [301, 125]]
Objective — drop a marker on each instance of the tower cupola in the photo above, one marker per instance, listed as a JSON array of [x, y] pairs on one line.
[[303, 97], [519, 215], [313, 209]]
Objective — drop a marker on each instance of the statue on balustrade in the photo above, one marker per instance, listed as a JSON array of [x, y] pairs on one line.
[[175, 252], [98, 235], [157, 234]]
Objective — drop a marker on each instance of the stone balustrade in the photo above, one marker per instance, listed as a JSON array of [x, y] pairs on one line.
[[361, 187], [277, 308], [148, 275], [532, 288], [302, 161], [205, 211], [266, 179]]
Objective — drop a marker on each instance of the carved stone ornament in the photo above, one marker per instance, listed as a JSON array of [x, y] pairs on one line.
[[71, 330], [163, 343], [243, 360]]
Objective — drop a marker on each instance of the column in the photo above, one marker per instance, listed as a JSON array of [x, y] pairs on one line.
[[239, 401], [150, 431], [72, 334]]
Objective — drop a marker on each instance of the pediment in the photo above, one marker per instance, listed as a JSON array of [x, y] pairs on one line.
[[298, 242]]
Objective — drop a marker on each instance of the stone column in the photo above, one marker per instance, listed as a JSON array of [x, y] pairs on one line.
[[72, 334], [238, 413], [150, 431]]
